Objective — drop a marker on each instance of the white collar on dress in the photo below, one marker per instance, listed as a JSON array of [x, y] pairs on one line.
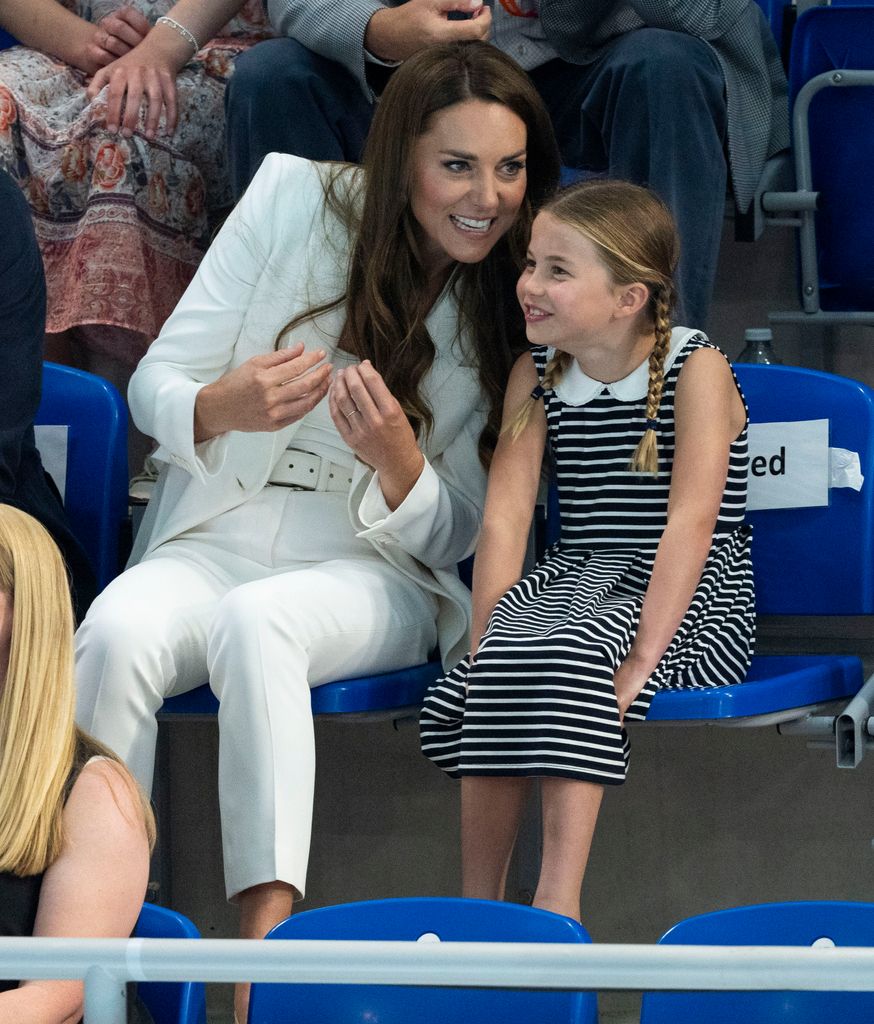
[[577, 387]]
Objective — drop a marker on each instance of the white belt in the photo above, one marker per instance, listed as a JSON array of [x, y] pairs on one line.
[[307, 472]]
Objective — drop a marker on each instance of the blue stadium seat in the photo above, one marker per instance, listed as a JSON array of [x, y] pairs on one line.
[[96, 483], [429, 919], [812, 561], [386, 694], [809, 561], [831, 87], [776, 924], [170, 1002], [775, 14]]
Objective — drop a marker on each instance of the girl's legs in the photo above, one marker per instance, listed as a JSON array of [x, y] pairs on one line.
[[491, 809], [570, 811], [272, 640]]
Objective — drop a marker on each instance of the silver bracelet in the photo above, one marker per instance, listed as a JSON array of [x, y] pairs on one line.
[[181, 29]]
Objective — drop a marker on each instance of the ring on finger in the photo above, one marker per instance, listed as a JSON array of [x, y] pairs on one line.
[[349, 415]]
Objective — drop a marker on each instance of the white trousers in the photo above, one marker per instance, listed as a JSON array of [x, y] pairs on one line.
[[263, 634]]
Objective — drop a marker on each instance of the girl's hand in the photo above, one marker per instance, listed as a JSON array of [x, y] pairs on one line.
[[370, 420], [630, 679], [266, 393], [146, 75]]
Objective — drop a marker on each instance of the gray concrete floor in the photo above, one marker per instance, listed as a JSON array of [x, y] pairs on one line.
[[709, 818]]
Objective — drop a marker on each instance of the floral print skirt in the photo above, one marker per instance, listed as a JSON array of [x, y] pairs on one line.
[[121, 223]]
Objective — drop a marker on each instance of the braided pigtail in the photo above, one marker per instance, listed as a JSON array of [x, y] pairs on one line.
[[553, 372], [646, 455]]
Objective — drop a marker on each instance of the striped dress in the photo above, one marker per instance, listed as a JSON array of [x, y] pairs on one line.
[[539, 700]]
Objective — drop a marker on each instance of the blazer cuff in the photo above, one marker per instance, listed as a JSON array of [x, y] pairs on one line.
[[201, 460], [386, 526]]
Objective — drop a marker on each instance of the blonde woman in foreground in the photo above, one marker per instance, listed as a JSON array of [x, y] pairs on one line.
[[75, 830]]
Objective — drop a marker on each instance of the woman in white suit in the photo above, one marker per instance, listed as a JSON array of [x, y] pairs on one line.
[[326, 396]]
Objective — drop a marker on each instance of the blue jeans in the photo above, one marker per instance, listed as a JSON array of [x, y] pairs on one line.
[[651, 109]]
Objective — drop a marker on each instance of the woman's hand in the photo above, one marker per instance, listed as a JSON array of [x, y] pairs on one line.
[[371, 421], [266, 393], [144, 75], [630, 679], [112, 37]]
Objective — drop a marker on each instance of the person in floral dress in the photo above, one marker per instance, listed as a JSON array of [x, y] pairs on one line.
[[112, 124]]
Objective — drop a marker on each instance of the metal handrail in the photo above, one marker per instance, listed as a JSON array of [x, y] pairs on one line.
[[106, 964]]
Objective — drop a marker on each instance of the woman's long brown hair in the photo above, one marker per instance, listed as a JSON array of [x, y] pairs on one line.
[[387, 294]]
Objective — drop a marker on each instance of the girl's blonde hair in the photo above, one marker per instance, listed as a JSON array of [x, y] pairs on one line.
[[39, 742], [636, 240]]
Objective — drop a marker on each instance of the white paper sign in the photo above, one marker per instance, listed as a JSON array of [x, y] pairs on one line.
[[52, 444], [789, 465]]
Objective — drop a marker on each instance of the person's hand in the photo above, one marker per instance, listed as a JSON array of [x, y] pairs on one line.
[[396, 33], [110, 38], [371, 421], [144, 75], [629, 680], [266, 393]]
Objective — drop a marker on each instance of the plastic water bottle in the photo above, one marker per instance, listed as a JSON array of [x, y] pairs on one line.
[[758, 347]]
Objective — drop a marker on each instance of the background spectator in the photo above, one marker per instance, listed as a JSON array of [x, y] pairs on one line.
[[23, 481], [123, 198]]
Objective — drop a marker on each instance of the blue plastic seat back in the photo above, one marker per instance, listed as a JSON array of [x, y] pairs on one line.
[[774, 11], [815, 561], [451, 920], [776, 924], [811, 561], [842, 149], [96, 483], [170, 1002]]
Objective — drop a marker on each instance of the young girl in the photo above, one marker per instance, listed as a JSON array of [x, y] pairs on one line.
[[650, 585]]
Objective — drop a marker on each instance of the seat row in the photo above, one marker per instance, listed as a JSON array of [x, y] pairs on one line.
[[823, 925], [821, 189], [812, 560]]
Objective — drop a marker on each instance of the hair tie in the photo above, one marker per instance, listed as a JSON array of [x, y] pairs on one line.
[[538, 392], [652, 424]]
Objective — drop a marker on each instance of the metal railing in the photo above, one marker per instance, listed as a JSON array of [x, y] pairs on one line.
[[106, 964]]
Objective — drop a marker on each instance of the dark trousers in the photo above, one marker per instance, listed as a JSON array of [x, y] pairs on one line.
[[650, 109]]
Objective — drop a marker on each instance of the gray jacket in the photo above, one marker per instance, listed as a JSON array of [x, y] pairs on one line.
[[578, 29]]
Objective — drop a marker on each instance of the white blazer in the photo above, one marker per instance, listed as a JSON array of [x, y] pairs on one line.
[[278, 253]]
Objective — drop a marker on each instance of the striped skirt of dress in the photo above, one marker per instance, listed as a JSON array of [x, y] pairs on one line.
[[539, 698]]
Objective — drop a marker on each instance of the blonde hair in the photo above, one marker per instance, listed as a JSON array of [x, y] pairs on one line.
[[636, 240], [40, 744]]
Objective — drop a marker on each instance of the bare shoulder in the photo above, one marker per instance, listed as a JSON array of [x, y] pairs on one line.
[[708, 393], [105, 796], [98, 882], [522, 381], [524, 372], [706, 367]]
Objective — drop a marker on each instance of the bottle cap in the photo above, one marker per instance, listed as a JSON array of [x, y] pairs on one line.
[[758, 334]]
